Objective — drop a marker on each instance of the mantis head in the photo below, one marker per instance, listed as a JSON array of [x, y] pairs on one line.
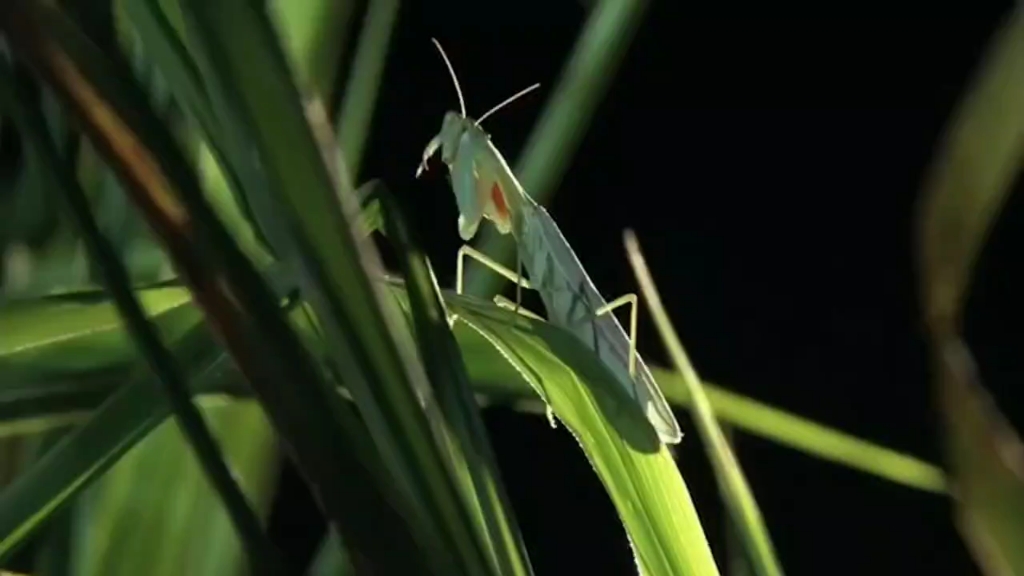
[[460, 142], [456, 124], [447, 140]]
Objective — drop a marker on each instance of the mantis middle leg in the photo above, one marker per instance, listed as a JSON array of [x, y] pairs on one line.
[[500, 300]]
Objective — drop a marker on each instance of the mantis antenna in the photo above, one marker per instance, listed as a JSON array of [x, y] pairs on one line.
[[508, 101], [458, 89], [451, 71]]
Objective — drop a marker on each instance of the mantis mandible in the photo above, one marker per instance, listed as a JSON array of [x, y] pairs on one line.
[[486, 188]]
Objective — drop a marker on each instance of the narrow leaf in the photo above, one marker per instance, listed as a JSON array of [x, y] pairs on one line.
[[738, 497]]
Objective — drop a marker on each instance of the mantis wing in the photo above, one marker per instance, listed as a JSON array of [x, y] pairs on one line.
[[476, 190], [572, 301], [496, 185], [464, 185]]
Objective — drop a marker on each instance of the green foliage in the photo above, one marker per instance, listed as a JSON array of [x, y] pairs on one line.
[[739, 500], [283, 335], [970, 181]]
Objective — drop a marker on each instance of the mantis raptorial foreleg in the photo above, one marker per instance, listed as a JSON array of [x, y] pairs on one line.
[[500, 300], [490, 263]]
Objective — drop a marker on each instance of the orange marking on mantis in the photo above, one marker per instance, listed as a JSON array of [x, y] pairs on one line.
[[498, 197]]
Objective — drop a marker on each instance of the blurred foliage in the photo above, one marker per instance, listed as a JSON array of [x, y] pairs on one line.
[[153, 109], [969, 183]]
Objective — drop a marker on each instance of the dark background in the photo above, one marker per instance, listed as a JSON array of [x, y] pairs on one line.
[[769, 168]]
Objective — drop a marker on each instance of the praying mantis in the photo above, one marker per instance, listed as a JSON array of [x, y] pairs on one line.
[[486, 188]]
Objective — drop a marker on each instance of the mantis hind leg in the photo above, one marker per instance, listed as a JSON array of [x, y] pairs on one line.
[[631, 300]]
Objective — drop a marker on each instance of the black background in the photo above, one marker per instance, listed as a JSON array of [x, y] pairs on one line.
[[769, 168]]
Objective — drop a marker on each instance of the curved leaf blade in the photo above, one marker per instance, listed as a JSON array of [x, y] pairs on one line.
[[969, 182], [638, 472]]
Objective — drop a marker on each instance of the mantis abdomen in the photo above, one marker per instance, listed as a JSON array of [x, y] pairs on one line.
[[572, 301]]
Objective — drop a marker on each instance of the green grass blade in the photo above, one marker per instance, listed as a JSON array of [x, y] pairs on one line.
[[330, 558], [90, 450], [370, 217], [169, 55], [53, 557], [322, 433], [154, 513], [971, 177], [739, 499], [62, 356], [585, 78], [60, 337], [361, 327], [968, 184], [45, 251], [807, 436], [159, 358], [984, 453], [358, 103], [465, 440], [639, 474], [736, 561], [314, 34], [160, 27], [159, 35]]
